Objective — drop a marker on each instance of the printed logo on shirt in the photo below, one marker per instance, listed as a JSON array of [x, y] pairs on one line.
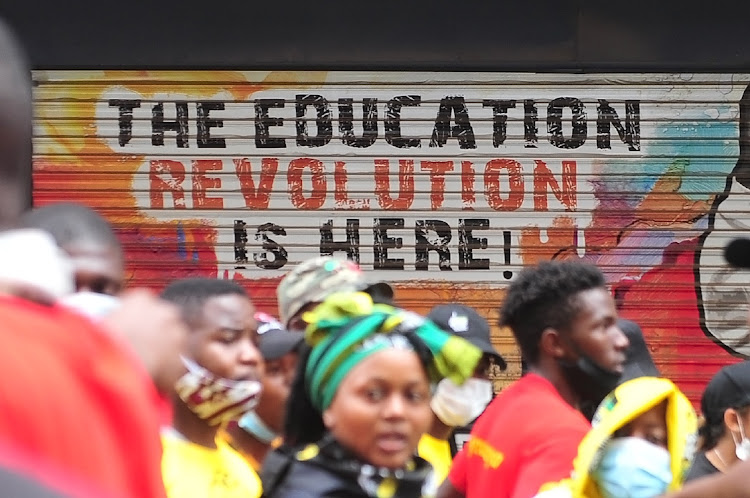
[[491, 457]]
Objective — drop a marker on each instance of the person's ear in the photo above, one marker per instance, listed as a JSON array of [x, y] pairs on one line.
[[329, 419], [731, 419], [551, 343]]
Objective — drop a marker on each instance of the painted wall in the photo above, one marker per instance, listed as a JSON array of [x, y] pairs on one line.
[[445, 184]]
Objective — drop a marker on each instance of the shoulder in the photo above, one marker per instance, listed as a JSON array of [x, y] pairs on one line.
[[189, 469], [284, 475], [701, 467], [533, 406], [305, 480]]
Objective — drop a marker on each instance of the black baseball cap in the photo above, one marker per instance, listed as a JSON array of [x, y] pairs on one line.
[[729, 388], [638, 360], [737, 253], [465, 322], [275, 340]]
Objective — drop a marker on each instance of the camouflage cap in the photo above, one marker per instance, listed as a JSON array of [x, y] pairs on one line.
[[315, 279]]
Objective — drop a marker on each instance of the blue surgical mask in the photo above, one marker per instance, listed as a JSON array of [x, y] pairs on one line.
[[632, 467], [253, 425]]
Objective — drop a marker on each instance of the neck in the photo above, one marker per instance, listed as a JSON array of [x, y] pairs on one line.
[[439, 430], [722, 456], [548, 368], [248, 444], [192, 427]]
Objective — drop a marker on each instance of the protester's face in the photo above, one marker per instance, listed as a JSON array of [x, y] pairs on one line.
[[98, 267], [651, 426], [595, 333], [225, 341], [382, 408], [296, 323], [277, 381]]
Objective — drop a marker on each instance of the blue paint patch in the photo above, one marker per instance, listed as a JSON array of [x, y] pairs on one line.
[[181, 242], [707, 149]]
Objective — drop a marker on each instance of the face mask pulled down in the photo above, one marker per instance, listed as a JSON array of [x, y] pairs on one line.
[[457, 406], [254, 425], [214, 399], [589, 381], [632, 467]]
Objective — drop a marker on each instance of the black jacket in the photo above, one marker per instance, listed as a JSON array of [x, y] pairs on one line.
[[326, 470]]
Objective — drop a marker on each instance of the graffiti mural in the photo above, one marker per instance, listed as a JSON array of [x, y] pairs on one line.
[[723, 292], [444, 184]]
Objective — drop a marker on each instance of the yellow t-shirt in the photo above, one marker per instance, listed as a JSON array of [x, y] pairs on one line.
[[190, 470], [438, 453]]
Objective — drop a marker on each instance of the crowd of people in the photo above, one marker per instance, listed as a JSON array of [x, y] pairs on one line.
[[194, 393]]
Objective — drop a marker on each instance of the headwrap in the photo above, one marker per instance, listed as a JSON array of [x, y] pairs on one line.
[[628, 401], [347, 328]]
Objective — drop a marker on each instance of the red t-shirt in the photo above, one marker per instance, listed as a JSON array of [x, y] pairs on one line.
[[73, 395], [528, 436]]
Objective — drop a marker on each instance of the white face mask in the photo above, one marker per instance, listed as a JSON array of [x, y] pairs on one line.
[[456, 405], [741, 447], [91, 304]]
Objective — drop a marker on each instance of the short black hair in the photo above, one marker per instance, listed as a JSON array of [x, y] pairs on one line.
[[546, 296], [190, 294], [70, 223]]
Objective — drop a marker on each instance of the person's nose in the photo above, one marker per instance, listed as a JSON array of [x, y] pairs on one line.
[[395, 407], [619, 339], [249, 354]]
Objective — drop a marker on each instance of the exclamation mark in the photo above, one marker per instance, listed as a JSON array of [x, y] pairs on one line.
[[507, 274]]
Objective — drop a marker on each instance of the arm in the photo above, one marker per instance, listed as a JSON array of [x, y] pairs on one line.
[[733, 484], [458, 475], [447, 490]]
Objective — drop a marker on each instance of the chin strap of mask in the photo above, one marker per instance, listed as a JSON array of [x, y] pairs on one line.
[[590, 381], [255, 426]]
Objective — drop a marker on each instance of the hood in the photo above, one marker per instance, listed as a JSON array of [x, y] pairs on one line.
[[625, 403]]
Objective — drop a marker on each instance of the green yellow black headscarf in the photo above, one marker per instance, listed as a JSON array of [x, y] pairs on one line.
[[348, 327]]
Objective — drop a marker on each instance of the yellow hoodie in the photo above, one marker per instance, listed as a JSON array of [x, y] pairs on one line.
[[628, 401]]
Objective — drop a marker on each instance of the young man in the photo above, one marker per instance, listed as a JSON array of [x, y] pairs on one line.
[[99, 272], [222, 383], [457, 406], [89, 241], [260, 430], [76, 405], [565, 323]]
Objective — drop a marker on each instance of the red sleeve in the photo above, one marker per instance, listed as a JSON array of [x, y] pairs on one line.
[[550, 461], [457, 475]]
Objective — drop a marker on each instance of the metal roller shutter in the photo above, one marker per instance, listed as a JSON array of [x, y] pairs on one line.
[[446, 184]]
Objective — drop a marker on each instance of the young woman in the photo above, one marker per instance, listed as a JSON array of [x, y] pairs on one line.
[[640, 446], [726, 410], [361, 402]]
